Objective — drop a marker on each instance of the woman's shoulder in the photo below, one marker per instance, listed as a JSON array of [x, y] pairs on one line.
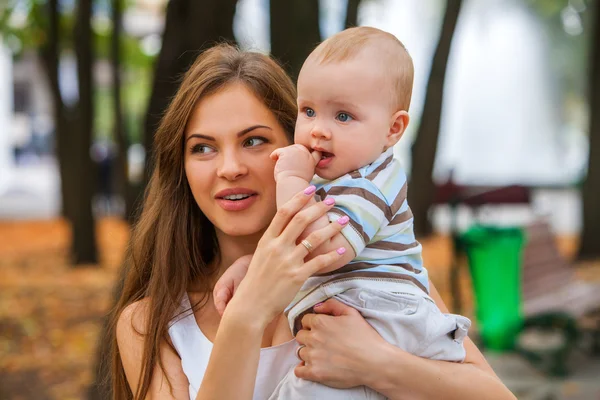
[[133, 318]]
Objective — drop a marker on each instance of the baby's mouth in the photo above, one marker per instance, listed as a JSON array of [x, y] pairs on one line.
[[325, 155]]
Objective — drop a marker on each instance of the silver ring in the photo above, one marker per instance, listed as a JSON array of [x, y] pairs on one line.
[[307, 244], [298, 351]]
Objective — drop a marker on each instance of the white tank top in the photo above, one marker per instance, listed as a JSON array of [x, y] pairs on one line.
[[194, 349]]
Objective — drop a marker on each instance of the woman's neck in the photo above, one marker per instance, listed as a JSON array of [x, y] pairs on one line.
[[233, 247]]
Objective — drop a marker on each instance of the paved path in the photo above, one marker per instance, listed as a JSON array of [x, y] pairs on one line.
[[528, 384]]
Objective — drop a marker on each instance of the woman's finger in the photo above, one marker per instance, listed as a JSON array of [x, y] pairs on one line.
[[324, 260], [320, 236], [303, 355], [302, 371], [310, 321], [285, 214], [302, 336], [334, 307], [304, 218]]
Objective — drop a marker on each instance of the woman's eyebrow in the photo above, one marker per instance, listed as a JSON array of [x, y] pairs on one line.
[[251, 128], [200, 136], [239, 134]]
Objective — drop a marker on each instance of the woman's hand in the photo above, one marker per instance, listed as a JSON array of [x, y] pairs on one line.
[[277, 270], [334, 352]]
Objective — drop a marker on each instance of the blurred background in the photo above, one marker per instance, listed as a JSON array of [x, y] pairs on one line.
[[503, 153]]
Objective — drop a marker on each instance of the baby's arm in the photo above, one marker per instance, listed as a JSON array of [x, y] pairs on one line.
[[294, 169], [228, 282]]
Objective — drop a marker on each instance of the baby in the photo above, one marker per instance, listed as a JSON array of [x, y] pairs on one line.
[[354, 92]]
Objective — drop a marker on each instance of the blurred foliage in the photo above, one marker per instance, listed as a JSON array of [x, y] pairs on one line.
[[136, 91], [568, 55], [24, 25]]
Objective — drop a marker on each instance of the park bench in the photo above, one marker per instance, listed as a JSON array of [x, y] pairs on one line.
[[549, 282], [556, 304]]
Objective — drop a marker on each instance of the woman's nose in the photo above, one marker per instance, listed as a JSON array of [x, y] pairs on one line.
[[232, 167]]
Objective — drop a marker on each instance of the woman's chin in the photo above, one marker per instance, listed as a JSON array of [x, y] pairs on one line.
[[243, 228]]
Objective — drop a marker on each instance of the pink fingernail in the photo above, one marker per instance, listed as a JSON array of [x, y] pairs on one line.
[[310, 190], [329, 201], [341, 250], [343, 220]]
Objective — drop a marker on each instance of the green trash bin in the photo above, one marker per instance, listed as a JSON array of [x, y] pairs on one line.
[[494, 255]]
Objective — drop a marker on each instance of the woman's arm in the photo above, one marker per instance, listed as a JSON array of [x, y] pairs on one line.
[[130, 339], [343, 350]]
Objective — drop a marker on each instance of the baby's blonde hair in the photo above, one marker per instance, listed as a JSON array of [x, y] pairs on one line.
[[392, 54]]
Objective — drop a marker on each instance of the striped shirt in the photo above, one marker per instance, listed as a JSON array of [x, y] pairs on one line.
[[380, 228]]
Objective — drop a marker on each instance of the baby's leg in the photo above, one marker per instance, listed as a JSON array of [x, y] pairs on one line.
[[411, 321], [293, 388]]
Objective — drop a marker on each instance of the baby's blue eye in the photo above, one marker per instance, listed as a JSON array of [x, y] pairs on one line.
[[343, 117], [254, 141], [309, 112]]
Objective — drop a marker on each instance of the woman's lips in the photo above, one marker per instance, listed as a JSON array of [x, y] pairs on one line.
[[237, 205]]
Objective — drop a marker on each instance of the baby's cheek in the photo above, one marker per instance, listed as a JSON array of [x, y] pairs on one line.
[[300, 135]]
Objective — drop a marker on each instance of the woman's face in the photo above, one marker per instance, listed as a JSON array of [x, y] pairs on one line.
[[228, 140]]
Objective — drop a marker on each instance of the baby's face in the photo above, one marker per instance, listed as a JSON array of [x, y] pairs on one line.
[[344, 111]]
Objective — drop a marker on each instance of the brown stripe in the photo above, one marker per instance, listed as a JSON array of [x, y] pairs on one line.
[[392, 246], [365, 265], [357, 227], [381, 167], [321, 193], [400, 218], [367, 274], [365, 194], [399, 200], [355, 175]]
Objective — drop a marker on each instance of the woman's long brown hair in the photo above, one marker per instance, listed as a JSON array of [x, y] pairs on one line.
[[173, 243]]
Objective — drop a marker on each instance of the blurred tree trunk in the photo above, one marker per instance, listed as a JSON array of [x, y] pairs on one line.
[[84, 228], [294, 32], [352, 13], [121, 138], [191, 26], [590, 237], [422, 188], [50, 56], [73, 126]]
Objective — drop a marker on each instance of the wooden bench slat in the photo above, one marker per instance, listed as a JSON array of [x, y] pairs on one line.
[[548, 281]]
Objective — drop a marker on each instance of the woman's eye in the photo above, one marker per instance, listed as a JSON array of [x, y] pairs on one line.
[[343, 117], [309, 112], [254, 141], [201, 149]]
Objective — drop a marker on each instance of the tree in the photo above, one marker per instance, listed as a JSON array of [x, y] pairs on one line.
[[82, 220], [590, 236], [128, 190], [422, 188], [294, 32], [352, 13], [73, 127]]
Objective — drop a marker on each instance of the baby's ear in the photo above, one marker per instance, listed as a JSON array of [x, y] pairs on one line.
[[398, 125]]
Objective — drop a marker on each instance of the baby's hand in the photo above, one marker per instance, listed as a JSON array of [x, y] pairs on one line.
[[228, 282], [295, 160]]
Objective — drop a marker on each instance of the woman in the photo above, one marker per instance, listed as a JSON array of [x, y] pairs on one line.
[[211, 200]]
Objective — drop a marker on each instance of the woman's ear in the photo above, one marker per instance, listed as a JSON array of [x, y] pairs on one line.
[[398, 125]]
